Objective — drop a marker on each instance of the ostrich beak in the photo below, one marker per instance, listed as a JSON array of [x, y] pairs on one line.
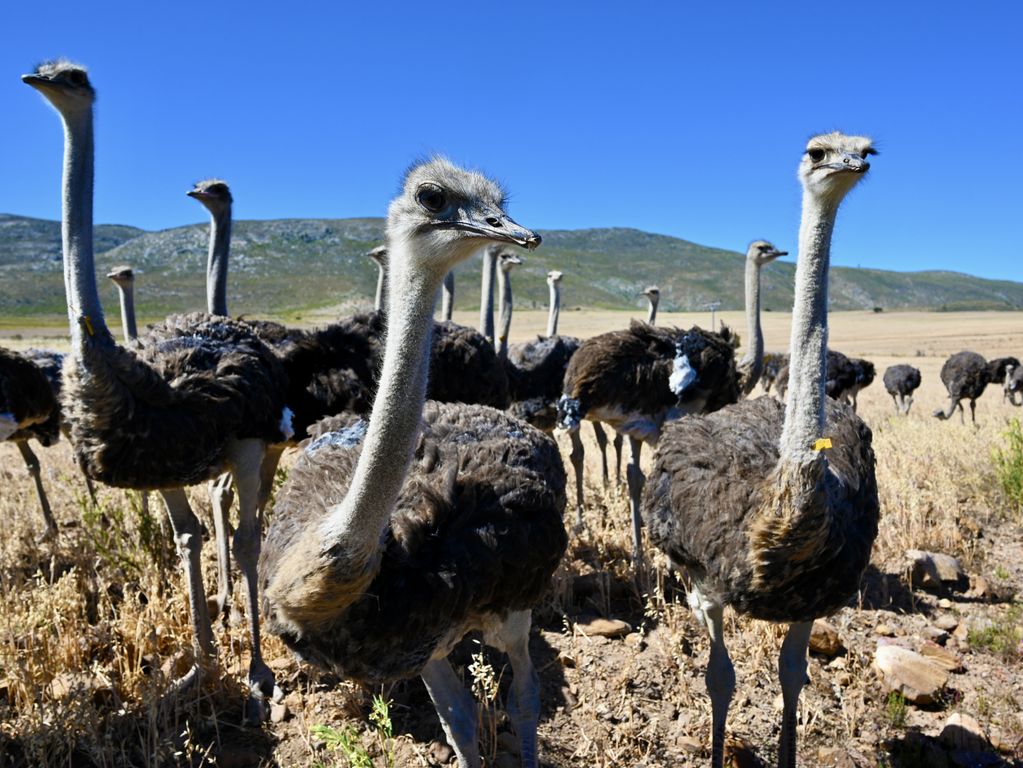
[[496, 225]]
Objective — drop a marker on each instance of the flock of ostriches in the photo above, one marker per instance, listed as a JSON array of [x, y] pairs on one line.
[[427, 498]]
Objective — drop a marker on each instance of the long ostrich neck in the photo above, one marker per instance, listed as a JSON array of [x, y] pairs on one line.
[[652, 314], [358, 522], [804, 411], [555, 310], [127, 297], [216, 266], [487, 298], [448, 296], [76, 230], [504, 326], [754, 357]]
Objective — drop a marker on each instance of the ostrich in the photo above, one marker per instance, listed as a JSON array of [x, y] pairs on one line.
[[379, 257], [999, 371], [653, 296], [174, 412], [863, 377], [1014, 384], [393, 538], [748, 500], [124, 279], [750, 367], [506, 261], [29, 409], [841, 377], [773, 363], [447, 306], [965, 375], [901, 381]]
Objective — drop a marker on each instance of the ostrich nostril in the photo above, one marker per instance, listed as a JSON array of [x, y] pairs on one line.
[[494, 222]]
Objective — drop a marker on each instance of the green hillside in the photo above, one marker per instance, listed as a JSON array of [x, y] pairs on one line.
[[283, 266]]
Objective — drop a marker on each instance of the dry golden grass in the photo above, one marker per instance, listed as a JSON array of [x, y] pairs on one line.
[[92, 627]]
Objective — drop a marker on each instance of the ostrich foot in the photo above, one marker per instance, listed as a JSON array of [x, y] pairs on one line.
[[262, 686]]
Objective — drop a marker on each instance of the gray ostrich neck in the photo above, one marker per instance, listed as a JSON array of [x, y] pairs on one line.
[[216, 266], [127, 297], [358, 522], [83, 304], [448, 296], [804, 411], [504, 327], [487, 298], [754, 357], [381, 296], [652, 314], [555, 309]]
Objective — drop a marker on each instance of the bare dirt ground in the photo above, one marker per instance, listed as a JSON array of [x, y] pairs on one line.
[[93, 626]]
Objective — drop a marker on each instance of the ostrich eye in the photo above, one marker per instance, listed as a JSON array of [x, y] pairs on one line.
[[76, 77], [816, 154], [432, 198]]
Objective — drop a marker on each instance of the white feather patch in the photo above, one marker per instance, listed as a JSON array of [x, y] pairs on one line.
[[286, 427], [682, 375]]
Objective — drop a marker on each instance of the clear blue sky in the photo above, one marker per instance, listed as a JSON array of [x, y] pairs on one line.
[[681, 118]]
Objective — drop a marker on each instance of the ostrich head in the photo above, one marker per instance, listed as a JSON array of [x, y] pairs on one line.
[[378, 255], [214, 194], [833, 163], [652, 292], [64, 84], [124, 276], [761, 252], [445, 213], [554, 277], [506, 260]]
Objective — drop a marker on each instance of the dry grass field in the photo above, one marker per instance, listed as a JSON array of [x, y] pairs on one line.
[[94, 625]]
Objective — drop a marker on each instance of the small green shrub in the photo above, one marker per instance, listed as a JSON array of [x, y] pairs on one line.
[[1002, 638], [346, 740], [896, 709], [1008, 461]]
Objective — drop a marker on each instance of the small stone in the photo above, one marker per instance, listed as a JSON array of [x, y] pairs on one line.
[[962, 732], [440, 752], [947, 622], [824, 639], [840, 757], [979, 588], [945, 603], [604, 628], [934, 569], [934, 635], [884, 630], [915, 677], [635, 640], [943, 657], [278, 712], [688, 744]]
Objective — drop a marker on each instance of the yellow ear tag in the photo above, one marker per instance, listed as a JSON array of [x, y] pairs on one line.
[[822, 444], [88, 325]]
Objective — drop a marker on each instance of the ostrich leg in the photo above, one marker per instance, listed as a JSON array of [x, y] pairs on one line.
[[973, 411], [792, 674], [634, 476], [245, 458], [907, 401], [221, 496], [576, 457], [601, 435], [720, 676], [32, 465], [188, 538], [618, 442], [456, 708], [898, 406], [524, 699]]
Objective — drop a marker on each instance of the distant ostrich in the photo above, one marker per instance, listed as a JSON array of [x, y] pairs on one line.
[[840, 379], [863, 376], [965, 376], [536, 368], [1013, 386], [506, 261], [653, 296], [751, 366], [28, 409], [379, 256], [393, 538], [773, 363], [124, 279], [207, 397], [901, 381], [766, 518], [999, 371]]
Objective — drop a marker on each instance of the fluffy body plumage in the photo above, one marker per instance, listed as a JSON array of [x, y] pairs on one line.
[[901, 381], [965, 375], [28, 402], [477, 531], [705, 518], [774, 362], [536, 372]]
